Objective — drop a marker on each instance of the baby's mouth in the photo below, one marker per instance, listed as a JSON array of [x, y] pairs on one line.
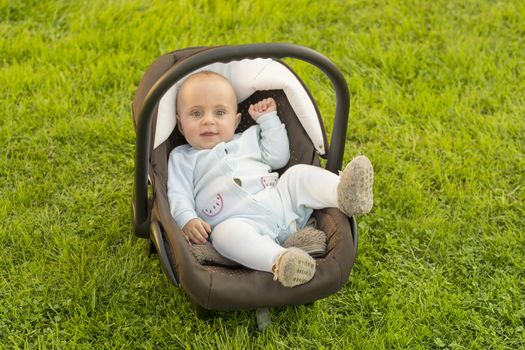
[[208, 134]]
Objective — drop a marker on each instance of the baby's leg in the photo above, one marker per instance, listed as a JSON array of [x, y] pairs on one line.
[[313, 187], [307, 186], [238, 240]]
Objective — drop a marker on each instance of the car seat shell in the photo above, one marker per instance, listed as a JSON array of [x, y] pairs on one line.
[[220, 288]]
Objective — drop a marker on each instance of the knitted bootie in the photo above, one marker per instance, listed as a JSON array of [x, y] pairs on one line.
[[355, 190], [293, 267]]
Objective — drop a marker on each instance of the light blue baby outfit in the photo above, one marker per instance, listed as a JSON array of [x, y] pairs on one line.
[[234, 179], [232, 187]]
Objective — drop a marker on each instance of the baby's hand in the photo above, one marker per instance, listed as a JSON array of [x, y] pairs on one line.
[[265, 106], [196, 231]]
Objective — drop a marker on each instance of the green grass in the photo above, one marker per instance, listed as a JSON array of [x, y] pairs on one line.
[[438, 104]]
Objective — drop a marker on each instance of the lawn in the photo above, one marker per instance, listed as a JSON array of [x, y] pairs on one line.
[[438, 105]]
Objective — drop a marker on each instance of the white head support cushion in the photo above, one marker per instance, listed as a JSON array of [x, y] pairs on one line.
[[248, 76]]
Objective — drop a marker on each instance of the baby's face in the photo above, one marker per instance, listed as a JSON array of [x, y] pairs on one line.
[[207, 111]]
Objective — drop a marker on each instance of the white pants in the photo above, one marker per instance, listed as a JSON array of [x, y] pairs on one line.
[[302, 189]]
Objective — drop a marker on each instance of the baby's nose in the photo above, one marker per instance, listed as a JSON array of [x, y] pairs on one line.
[[208, 118]]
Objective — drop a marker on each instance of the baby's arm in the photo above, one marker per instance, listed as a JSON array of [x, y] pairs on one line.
[[274, 144], [181, 201]]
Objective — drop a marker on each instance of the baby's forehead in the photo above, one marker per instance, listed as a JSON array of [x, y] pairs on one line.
[[199, 85], [205, 77]]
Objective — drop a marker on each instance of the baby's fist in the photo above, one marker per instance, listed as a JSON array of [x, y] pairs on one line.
[[262, 107]]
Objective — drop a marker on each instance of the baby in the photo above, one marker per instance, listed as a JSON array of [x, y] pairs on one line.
[[221, 186]]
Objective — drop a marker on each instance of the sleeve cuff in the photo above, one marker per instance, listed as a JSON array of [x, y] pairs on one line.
[[269, 120], [183, 219]]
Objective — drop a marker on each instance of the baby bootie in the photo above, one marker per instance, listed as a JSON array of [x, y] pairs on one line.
[[293, 267], [355, 189]]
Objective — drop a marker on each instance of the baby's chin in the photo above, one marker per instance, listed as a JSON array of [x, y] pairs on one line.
[[210, 145]]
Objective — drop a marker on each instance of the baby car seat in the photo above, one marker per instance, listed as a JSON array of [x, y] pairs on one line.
[[256, 72]]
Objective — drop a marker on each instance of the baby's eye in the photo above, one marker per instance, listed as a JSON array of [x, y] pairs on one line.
[[195, 114], [220, 113]]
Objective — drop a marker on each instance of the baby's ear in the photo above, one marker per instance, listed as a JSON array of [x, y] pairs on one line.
[[238, 120], [179, 124]]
